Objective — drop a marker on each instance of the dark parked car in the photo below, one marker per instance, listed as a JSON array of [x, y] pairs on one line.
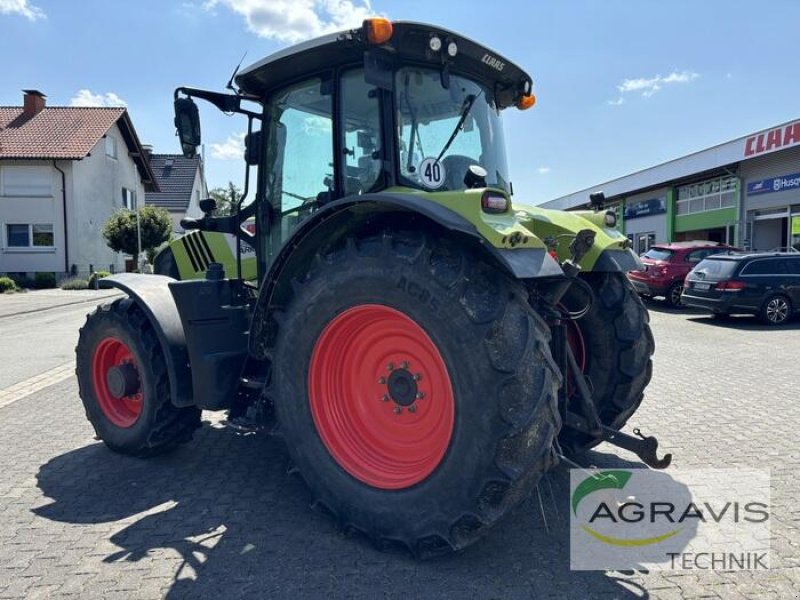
[[666, 266], [767, 285]]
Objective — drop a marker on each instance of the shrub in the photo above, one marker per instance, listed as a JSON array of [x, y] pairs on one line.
[[44, 281], [74, 283], [23, 282], [7, 285]]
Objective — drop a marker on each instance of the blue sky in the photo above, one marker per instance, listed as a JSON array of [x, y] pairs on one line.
[[621, 85]]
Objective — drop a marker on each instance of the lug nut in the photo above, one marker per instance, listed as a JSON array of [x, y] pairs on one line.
[[390, 366], [385, 398], [412, 409], [398, 410], [404, 364], [420, 395], [382, 380], [417, 376]]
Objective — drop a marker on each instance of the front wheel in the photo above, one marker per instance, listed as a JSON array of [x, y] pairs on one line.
[[415, 389], [122, 380], [614, 346], [776, 310]]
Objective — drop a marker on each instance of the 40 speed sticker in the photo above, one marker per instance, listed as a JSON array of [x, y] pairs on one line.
[[432, 173]]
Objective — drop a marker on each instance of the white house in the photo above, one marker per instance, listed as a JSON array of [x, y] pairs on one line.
[[182, 184], [63, 172]]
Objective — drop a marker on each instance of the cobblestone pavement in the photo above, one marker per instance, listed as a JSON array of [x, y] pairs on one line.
[[220, 518]]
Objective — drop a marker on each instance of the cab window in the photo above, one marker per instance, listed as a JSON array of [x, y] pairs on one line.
[[299, 155], [361, 144]]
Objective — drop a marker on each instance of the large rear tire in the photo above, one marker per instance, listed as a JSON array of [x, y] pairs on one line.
[[123, 383], [415, 390], [617, 346]]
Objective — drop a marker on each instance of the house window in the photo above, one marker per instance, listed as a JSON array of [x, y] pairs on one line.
[[29, 181], [111, 146], [128, 199], [23, 235]]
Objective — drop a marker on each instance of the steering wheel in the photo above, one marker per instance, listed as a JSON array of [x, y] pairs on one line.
[[455, 167]]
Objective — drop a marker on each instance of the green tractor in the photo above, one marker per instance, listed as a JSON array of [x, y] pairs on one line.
[[426, 348]]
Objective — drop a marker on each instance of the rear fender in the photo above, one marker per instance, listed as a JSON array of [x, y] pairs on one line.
[[151, 293], [340, 218]]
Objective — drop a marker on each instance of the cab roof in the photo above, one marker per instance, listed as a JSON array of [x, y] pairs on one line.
[[409, 43]]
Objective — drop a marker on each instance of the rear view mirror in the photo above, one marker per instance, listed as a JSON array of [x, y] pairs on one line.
[[252, 148], [187, 122]]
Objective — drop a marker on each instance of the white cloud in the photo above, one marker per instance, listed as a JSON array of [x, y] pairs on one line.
[[230, 149], [543, 170], [616, 101], [21, 7], [296, 20], [651, 85], [87, 98]]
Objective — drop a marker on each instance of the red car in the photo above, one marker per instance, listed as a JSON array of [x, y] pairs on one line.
[[667, 265]]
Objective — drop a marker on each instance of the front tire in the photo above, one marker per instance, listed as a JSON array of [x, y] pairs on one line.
[[123, 383], [616, 346], [415, 389]]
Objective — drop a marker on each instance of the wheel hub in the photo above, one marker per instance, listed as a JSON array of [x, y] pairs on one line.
[[402, 387], [122, 380]]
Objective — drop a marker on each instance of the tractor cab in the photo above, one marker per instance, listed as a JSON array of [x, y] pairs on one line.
[[391, 106]]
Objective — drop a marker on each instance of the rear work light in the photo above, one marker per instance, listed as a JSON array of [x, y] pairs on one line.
[[611, 218], [494, 203], [730, 286], [378, 30]]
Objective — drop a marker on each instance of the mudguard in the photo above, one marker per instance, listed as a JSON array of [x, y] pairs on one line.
[[338, 217], [151, 293]]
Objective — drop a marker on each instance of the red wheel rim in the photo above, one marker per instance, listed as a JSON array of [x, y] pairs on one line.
[[381, 397], [124, 411], [578, 347]]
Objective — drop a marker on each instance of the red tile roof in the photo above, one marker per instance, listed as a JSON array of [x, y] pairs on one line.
[[58, 132]]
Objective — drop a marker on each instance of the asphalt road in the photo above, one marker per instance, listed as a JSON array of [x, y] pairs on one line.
[[220, 518]]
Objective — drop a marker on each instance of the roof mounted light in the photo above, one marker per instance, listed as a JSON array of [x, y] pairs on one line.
[[435, 43], [378, 30], [452, 49], [526, 101], [611, 218]]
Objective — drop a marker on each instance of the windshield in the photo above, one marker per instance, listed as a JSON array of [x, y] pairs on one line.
[[443, 131]]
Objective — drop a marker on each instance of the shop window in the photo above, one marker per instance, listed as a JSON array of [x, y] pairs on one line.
[[706, 195], [23, 235]]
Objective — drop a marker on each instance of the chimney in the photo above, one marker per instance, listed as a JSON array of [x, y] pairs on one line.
[[34, 103]]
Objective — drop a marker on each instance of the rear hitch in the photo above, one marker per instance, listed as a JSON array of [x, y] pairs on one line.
[[645, 447], [587, 420]]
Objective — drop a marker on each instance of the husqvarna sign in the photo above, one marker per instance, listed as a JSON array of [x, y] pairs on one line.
[[708, 519], [774, 184]]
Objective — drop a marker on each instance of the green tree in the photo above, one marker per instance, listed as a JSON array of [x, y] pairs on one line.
[[227, 198], [121, 231]]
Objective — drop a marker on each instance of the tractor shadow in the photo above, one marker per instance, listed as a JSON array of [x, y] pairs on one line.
[[242, 528]]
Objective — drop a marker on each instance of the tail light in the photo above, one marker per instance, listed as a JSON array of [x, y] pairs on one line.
[[494, 203], [730, 286]]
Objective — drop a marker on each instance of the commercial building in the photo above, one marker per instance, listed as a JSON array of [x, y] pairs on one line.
[[745, 192]]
